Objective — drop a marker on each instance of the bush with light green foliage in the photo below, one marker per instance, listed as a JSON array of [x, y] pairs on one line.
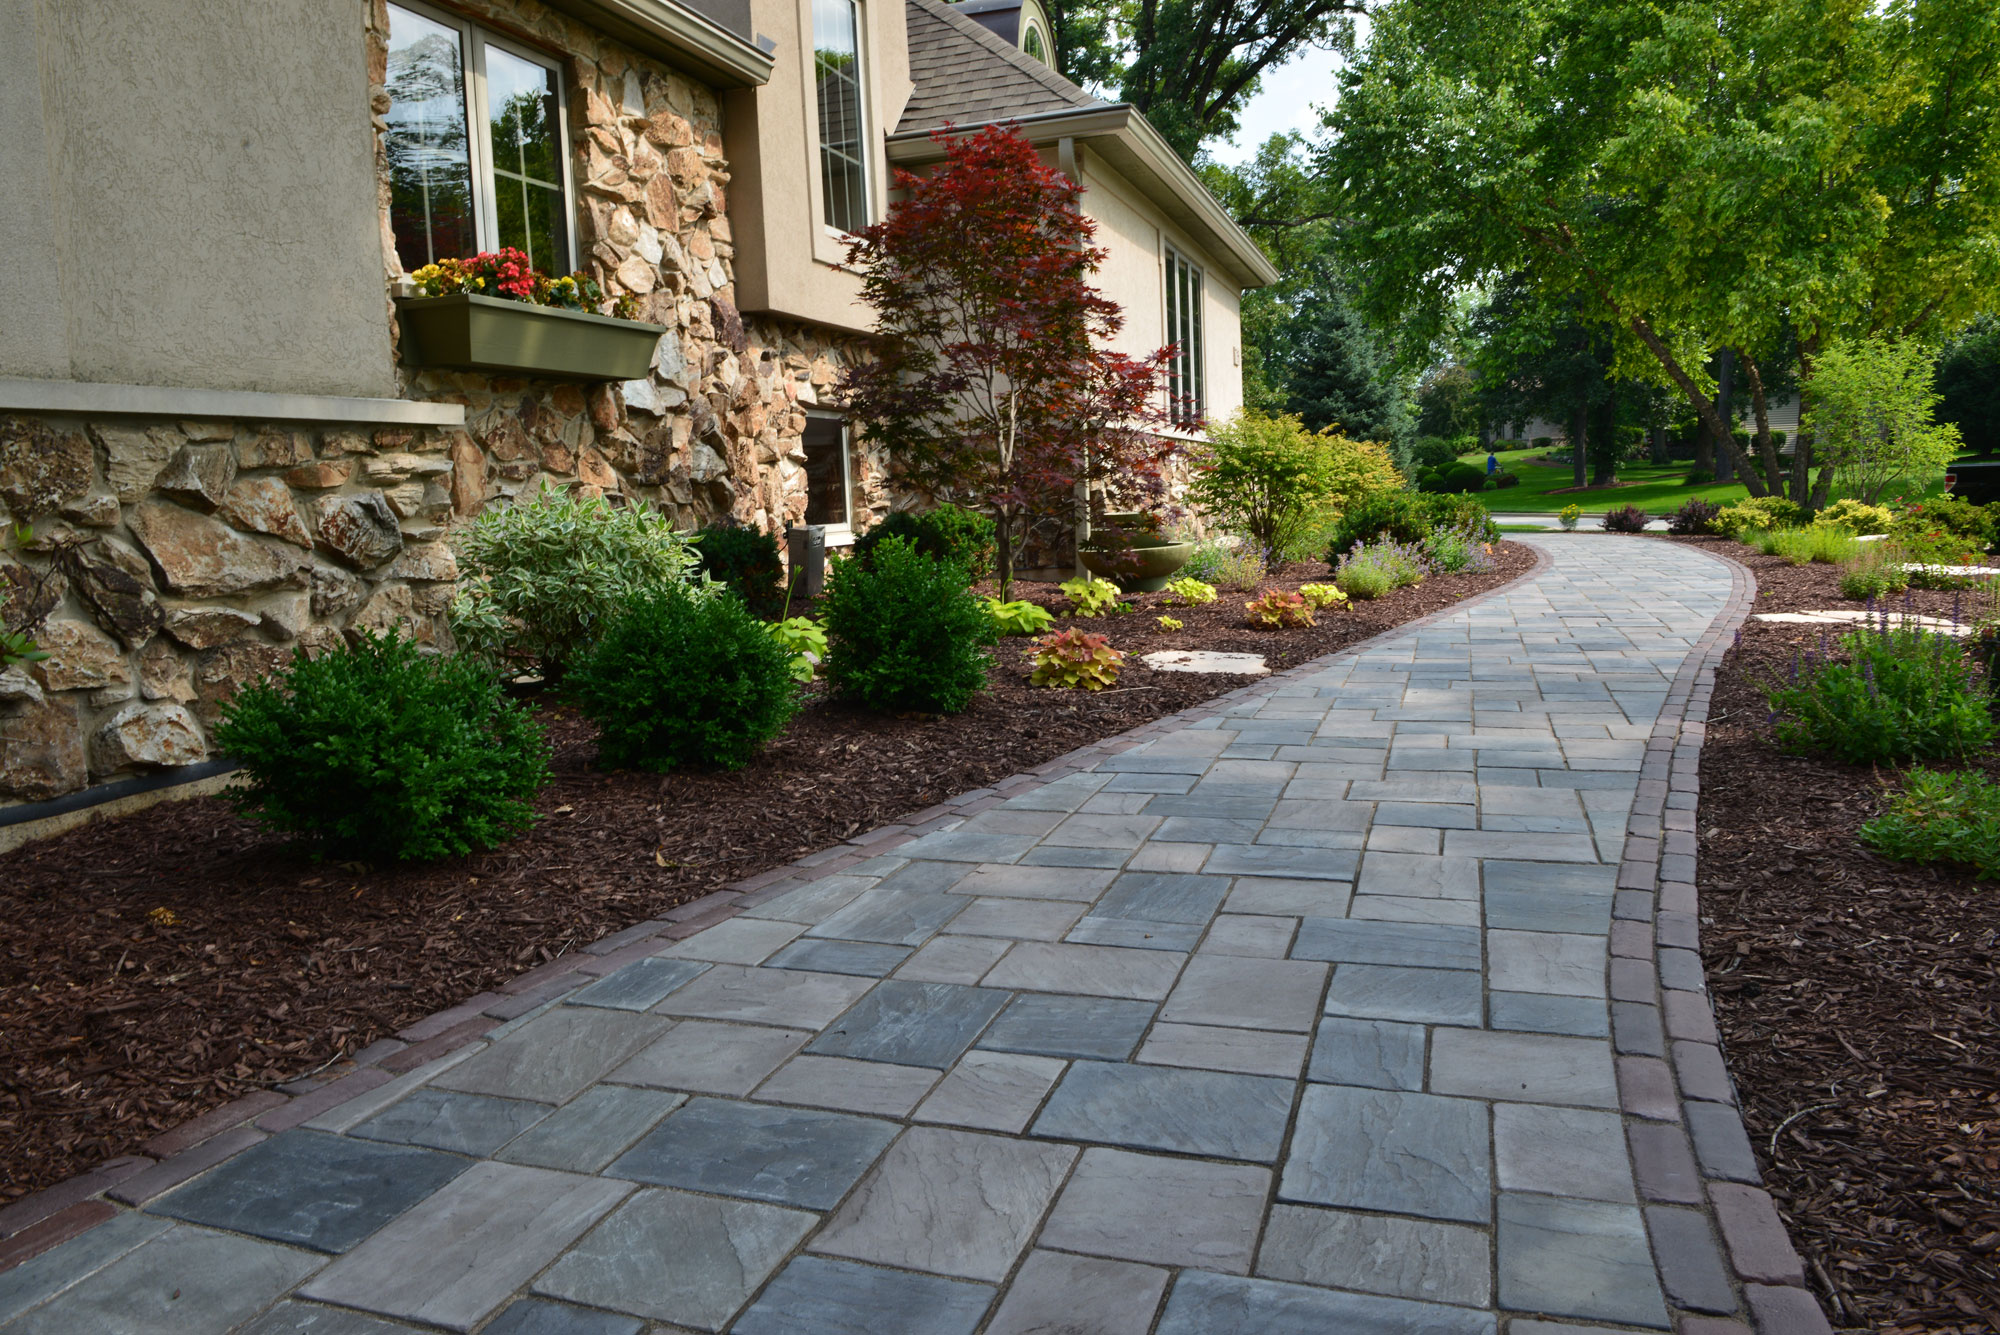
[[541, 576], [1189, 592], [1855, 516], [677, 682], [805, 640], [1759, 512], [1091, 596], [1268, 478], [1321, 595], [906, 635], [1019, 617], [1804, 546], [1870, 410], [1941, 816], [1874, 571], [381, 752]]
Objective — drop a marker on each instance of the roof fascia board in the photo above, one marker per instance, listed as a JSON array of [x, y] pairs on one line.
[[1158, 169], [687, 40]]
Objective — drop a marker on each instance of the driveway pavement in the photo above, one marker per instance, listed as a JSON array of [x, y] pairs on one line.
[[1295, 1019]]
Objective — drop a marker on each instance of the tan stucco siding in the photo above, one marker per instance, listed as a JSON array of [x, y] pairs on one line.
[[34, 340], [786, 256], [208, 189], [1136, 236]]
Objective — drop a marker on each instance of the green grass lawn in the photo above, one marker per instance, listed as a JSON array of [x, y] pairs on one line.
[[1653, 489], [1656, 490]]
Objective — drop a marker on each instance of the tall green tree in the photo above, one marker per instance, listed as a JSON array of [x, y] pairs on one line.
[[1695, 174], [1968, 384], [1190, 65]]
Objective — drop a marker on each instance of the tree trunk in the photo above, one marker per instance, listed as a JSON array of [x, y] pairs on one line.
[[1604, 434], [1579, 443], [1702, 406], [1760, 411], [1003, 554], [1656, 446], [1725, 408], [1802, 443]]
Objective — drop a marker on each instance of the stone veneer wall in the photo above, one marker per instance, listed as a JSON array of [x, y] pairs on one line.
[[211, 550]]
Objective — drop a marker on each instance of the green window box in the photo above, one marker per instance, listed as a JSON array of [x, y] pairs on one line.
[[466, 332]]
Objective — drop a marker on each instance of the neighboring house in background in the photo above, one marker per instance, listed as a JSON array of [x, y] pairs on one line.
[[203, 372]]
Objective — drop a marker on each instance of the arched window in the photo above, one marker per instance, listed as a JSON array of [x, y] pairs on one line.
[[1032, 44]]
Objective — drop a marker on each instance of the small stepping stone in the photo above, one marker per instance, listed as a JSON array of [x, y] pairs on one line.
[[1852, 616], [1201, 660]]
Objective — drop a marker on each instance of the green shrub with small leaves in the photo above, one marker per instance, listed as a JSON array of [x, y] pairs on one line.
[[1218, 566], [1019, 617], [1091, 596], [682, 683], [380, 752], [541, 576], [1406, 517], [1941, 816], [1758, 512], [1855, 516], [1075, 659], [745, 559], [1189, 592], [947, 533], [1900, 693], [906, 635]]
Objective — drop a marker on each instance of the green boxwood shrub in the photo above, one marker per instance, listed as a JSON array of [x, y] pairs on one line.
[[1757, 512], [541, 575], [677, 682], [906, 634], [1409, 517], [948, 533], [380, 753], [745, 559]]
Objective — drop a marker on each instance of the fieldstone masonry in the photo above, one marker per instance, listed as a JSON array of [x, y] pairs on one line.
[[212, 550], [1362, 999]]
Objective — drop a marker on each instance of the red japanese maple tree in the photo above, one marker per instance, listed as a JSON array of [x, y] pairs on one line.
[[991, 382]]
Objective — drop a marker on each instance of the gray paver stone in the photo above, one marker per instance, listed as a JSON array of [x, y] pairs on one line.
[[539, 1316], [992, 1091], [185, 1279], [1168, 1108], [312, 1190], [691, 1260], [1213, 1048], [1540, 1013], [1247, 993], [849, 1085], [1177, 1212], [708, 1057], [1204, 1304], [1052, 1025], [640, 985], [1376, 1054], [831, 1297], [1561, 1152], [1059, 1294], [1402, 1258], [473, 1124], [1099, 971], [1529, 1068], [949, 1202], [592, 1129], [1408, 1153], [480, 1238], [912, 1024], [1578, 1259], [766, 996], [558, 1053], [297, 1318], [1391, 992], [1428, 945], [1564, 964], [863, 959], [953, 959], [788, 1156]]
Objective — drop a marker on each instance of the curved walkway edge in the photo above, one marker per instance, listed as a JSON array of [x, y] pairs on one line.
[[1689, 1146], [1366, 997]]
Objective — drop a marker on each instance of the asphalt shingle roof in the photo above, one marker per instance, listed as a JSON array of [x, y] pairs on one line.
[[966, 75]]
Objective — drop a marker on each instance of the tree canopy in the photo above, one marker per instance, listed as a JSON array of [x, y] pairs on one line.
[[1692, 174]]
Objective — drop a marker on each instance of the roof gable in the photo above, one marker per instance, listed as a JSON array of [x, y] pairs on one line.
[[968, 76]]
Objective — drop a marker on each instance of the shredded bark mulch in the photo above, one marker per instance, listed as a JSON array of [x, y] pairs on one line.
[[161, 964], [1856, 998]]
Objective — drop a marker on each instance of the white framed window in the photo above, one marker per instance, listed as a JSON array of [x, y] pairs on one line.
[[831, 484], [477, 128], [1187, 382], [843, 121]]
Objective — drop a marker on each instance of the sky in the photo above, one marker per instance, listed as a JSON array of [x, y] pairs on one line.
[[1284, 101]]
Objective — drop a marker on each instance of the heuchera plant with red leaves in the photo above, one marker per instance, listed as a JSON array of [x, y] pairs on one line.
[[991, 382]]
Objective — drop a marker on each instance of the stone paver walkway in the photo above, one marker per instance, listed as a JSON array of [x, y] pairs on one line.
[[1292, 1020]]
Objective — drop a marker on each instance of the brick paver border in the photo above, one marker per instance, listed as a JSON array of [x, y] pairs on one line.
[[1689, 1148]]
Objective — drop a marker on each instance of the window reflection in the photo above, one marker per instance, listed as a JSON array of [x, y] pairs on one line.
[[842, 159], [430, 164], [527, 153]]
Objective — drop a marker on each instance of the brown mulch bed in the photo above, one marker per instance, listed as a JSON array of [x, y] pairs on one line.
[[1856, 998], [120, 1020]]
